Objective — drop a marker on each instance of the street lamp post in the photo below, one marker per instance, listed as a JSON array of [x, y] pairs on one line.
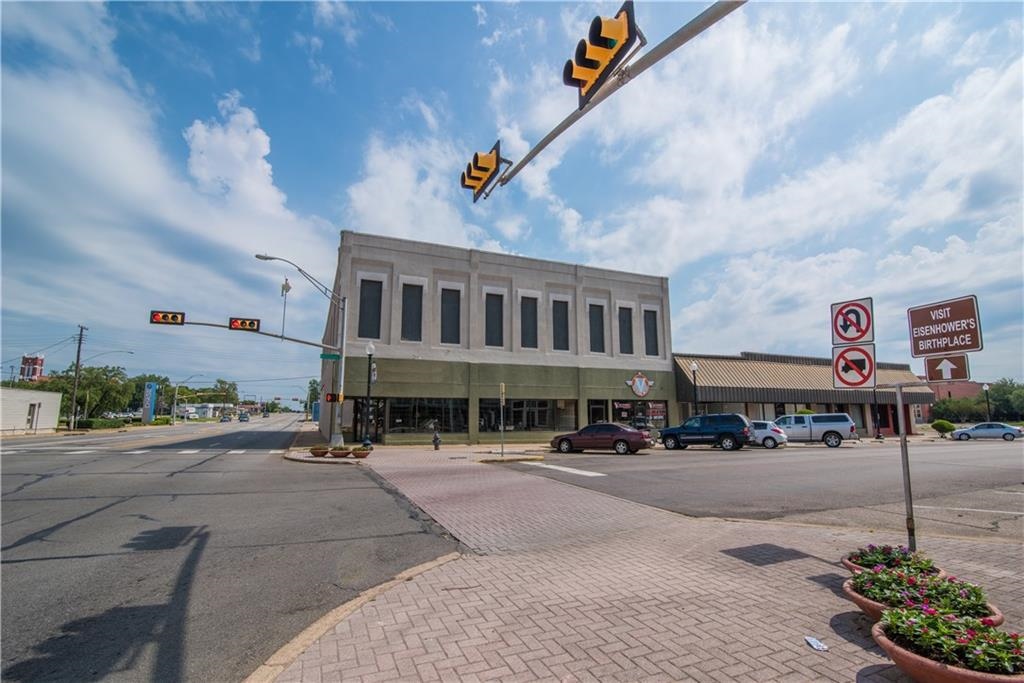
[[369, 394], [174, 406], [335, 437], [988, 406], [693, 368]]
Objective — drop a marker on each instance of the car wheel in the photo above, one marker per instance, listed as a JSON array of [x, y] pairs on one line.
[[1007, 437], [769, 442], [832, 440], [621, 447], [964, 437], [565, 446], [671, 443], [728, 443]]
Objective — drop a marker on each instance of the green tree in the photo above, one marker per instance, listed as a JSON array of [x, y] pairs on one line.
[[312, 393], [164, 392], [1000, 395], [959, 409], [227, 391]]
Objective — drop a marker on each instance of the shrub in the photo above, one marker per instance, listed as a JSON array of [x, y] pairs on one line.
[[959, 641], [162, 420], [923, 592], [805, 411], [943, 427], [893, 556], [100, 423]]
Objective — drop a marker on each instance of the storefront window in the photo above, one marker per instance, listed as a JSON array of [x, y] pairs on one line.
[[424, 415], [528, 415], [641, 414]]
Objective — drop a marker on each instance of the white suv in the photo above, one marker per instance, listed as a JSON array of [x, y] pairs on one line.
[[831, 428]]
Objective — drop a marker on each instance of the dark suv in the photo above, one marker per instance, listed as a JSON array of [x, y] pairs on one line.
[[728, 430]]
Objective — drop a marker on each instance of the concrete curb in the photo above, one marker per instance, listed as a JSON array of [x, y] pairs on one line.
[[284, 657], [325, 460]]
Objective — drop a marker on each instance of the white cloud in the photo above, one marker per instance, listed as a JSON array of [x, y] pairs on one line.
[[513, 228], [885, 55], [481, 14], [939, 37], [337, 16], [77, 34], [323, 75]]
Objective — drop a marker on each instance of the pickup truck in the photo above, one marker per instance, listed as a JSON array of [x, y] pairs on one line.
[[830, 428]]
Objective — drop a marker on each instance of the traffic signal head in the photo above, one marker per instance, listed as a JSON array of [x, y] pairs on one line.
[[166, 318], [247, 324], [482, 171], [605, 47], [331, 398]]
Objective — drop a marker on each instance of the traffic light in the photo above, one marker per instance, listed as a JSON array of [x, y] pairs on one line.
[[166, 318], [597, 57], [247, 324], [331, 398], [482, 171]]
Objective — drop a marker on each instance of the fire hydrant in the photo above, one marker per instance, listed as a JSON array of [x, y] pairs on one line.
[[437, 440]]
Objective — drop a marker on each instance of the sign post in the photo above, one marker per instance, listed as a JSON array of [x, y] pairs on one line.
[[501, 407]]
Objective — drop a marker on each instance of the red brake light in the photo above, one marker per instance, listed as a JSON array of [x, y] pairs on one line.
[[776, 430]]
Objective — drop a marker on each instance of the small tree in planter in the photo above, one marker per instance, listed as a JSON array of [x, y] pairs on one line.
[[943, 427]]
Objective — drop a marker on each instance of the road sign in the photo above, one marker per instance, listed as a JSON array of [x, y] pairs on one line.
[[853, 367], [853, 322], [944, 328], [947, 368], [330, 356]]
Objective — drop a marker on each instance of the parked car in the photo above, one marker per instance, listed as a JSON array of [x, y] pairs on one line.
[[830, 428], [767, 433], [728, 430], [265, 414], [243, 417], [989, 430], [225, 418], [604, 436]]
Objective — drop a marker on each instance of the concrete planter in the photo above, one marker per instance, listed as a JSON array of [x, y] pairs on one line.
[[923, 669]]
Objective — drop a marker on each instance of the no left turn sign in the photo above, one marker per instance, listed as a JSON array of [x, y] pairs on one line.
[[853, 367], [853, 322]]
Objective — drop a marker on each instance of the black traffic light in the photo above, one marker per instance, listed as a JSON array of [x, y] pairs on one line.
[[482, 171], [601, 52], [166, 317], [331, 398], [247, 324]]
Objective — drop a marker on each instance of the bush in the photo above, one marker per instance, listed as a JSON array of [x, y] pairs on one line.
[[943, 427], [928, 593], [805, 411], [893, 557], [100, 423], [163, 420]]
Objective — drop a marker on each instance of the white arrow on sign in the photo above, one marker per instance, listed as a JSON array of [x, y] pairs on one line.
[[946, 368]]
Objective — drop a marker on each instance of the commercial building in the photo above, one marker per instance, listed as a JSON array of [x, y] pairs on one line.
[[23, 411]]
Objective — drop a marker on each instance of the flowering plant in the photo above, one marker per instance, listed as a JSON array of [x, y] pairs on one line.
[[890, 556], [923, 592], [958, 641]]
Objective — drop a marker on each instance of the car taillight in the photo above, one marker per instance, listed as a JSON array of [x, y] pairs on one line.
[[853, 429], [776, 430], [746, 431]]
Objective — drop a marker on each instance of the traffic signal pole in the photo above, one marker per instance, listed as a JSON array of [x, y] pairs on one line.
[[319, 345], [699, 24]]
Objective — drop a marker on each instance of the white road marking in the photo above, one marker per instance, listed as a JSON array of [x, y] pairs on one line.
[[241, 451], [187, 452], [135, 452], [277, 451], [79, 452], [569, 470], [1011, 493], [998, 512]]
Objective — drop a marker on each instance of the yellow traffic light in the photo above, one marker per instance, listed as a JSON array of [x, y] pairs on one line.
[[246, 324], [482, 171], [166, 317], [596, 58]]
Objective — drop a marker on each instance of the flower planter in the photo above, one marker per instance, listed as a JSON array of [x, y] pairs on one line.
[[858, 568], [923, 669], [874, 610], [340, 452], [318, 452], [360, 453]]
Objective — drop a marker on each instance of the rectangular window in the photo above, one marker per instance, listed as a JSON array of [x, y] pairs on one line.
[[625, 330], [651, 332], [450, 319], [528, 321], [369, 308], [596, 328], [494, 335], [412, 312], [560, 325]]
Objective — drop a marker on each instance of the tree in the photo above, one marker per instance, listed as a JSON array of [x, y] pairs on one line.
[[312, 393], [1000, 395], [164, 392], [959, 409]]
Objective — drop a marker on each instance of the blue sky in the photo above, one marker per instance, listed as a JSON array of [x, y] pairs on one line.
[[792, 156]]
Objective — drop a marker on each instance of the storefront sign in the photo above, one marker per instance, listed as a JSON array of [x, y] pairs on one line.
[[640, 385]]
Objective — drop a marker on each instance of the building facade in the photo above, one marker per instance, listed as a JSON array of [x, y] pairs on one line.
[[571, 344], [23, 411]]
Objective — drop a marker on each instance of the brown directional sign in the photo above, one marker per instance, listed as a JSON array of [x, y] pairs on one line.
[[947, 368], [944, 328]]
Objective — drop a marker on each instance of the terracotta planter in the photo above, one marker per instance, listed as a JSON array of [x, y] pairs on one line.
[[923, 669], [318, 452], [874, 610], [340, 452], [360, 454], [858, 568]]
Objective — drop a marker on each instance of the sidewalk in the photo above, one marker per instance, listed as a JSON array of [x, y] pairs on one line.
[[562, 583]]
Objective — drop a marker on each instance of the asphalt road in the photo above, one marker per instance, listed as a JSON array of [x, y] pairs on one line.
[[191, 552], [970, 489]]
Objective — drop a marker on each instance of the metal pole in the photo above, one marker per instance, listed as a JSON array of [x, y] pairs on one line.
[[695, 392], [174, 407], [73, 417], [905, 457], [369, 392], [878, 428], [336, 438], [988, 407]]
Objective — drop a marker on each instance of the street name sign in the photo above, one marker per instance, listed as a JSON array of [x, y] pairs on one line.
[[330, 356], [853, 322], [945, 327], [947, 368], [853, 367]]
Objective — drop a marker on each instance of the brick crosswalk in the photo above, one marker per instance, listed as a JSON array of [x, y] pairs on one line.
[[562, 583]]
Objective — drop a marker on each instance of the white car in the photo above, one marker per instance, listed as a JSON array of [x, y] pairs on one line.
[[989, 430], [767, 434]]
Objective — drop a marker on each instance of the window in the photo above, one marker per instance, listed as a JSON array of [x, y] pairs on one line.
[[424, 415], [651, 332], [528, 322], [494, 334], [799, 420], [450, 320], [412, 312], [369, 308], [625, 330], [596, 328], [560, 325]]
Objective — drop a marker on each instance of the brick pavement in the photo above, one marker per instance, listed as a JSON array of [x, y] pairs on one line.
[[561, 583]]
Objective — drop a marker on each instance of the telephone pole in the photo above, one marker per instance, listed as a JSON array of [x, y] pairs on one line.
[[73, 416]]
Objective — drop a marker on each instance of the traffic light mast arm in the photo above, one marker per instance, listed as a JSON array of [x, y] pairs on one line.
[[697, 25], [319, 345]]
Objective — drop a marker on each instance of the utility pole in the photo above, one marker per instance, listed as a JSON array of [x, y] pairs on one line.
[[73, 417]]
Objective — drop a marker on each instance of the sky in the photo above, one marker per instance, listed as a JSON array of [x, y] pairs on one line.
[[792, 156]]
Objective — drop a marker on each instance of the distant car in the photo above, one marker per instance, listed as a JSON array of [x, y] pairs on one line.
[[767, 434], [728, 430], [225, 418], [989, 430], [244, 417], [603, 436], [266, 414]]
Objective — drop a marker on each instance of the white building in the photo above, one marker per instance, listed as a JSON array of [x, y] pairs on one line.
[[23, 411]]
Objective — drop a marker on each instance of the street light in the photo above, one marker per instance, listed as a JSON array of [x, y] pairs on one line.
[[174, 407], [988, 406], [693, 368], [334, 424], [369, 386], [105, 353]]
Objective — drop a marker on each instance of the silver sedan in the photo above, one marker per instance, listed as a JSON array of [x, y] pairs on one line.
[[988, 430]]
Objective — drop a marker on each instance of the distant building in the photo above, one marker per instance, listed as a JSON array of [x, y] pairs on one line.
[[944, 390], [31, 368], [23, 411]]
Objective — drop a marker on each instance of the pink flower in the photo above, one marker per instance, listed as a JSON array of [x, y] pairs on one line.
[[987, 621], [909, 603], [878, 568], [971, 633], [928, 610], [912, 580], [963, 641], [950, 617], [951, 579]]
